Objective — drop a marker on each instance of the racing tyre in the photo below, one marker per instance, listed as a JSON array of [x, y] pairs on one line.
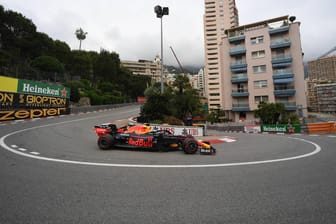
[[190, 146], [105, 142]]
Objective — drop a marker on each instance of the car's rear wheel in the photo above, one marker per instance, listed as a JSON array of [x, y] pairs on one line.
[[190, 146], [105, 142]]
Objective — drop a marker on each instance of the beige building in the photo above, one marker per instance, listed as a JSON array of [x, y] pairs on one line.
[[219, 16], [257, 62], [148, 68], [321, 84]]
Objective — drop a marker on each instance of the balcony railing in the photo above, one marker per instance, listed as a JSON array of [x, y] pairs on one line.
[[236, 38], [237, 50], [290, 106], [239, 78], [284, 91], [280, 43], [238, 64], [240, 107], [282, 59], [283, 81], [240, 93], [283, 74], [279, 30]]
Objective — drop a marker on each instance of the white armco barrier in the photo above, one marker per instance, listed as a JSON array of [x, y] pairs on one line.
[[180, 130]]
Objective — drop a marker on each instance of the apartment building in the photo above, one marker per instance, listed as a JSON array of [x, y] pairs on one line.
[[148, 68], [263, 61], [201, 82], [219, 16], [321, 83], [251, 63]]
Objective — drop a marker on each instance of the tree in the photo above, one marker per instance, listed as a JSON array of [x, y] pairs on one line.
[[80, 64], [157, 105], [215, 115], [181, 83], [107, 66], [81, 35], [270, 113], [49, 66]]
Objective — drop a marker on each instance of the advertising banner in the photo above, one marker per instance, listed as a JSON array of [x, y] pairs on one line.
[[180, 130], [26, 106], [252, 128], [29, 87], [23, 99], [284, 128]]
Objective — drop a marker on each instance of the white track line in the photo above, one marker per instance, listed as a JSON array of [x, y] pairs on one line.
[[3, 144]]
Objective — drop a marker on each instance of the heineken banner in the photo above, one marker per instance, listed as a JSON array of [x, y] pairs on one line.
[[285, 128], [23, 99]]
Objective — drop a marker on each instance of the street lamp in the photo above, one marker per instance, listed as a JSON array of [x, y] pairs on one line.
[[160, 12]]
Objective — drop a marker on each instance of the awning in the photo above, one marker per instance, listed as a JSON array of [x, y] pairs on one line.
[[288, 80]]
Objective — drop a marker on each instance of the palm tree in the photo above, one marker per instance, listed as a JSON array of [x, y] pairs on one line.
[[81, 35]]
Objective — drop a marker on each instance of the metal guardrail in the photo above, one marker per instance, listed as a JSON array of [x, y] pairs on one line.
[[84, 109]]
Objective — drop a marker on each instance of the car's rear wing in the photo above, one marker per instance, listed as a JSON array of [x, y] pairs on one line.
[[107, 128]]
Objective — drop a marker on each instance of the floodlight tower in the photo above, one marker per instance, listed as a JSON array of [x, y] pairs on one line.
[[160, 12]]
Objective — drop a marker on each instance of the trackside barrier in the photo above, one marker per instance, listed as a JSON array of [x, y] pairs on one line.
[[180, 130], [322, 127], [85, 109]]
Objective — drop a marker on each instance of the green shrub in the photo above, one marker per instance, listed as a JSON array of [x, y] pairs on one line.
[[172, 120]]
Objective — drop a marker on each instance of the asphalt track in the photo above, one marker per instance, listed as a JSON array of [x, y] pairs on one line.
[[52, 172]]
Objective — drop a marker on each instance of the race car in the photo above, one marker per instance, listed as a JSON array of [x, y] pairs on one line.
[[144, 138]]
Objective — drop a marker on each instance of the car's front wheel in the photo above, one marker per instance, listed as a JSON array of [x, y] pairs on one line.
[[105, 142], [190, 146]]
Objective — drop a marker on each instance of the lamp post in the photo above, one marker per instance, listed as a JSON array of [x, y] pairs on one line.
[[160, 12]]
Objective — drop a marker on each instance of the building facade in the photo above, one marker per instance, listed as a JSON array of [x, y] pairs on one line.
[[219, 16], [257, 62], [147, 68], [321, 82]]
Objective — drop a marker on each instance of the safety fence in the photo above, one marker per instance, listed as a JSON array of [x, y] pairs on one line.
[[321, 127]]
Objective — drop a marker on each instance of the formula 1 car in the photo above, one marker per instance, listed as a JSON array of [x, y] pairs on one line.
[[144, 138]]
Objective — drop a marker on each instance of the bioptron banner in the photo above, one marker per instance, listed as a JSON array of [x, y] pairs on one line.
[[24, 99]]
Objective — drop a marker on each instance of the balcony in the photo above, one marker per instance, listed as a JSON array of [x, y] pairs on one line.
[[240, 93], [280, 43], [239, 78], [290, 106], [236, 38], [286, 80], [237, 50], [284, 90], [282, 74], [240, 107], [285, 59], [283, 29], [238, 66]]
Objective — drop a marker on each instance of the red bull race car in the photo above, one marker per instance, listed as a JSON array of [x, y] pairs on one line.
[[144, 138]]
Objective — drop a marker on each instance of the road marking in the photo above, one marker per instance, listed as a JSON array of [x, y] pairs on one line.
[[228, 139], [22, 149], [13, 150], [35, 153]]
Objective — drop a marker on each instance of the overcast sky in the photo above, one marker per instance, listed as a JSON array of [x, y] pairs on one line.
[[130, 27]]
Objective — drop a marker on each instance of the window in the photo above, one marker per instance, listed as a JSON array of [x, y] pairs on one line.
[[258, 54], [260, 84], [259, 99], [280, 52], [259, 69], [240, 88], [257, 40]]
